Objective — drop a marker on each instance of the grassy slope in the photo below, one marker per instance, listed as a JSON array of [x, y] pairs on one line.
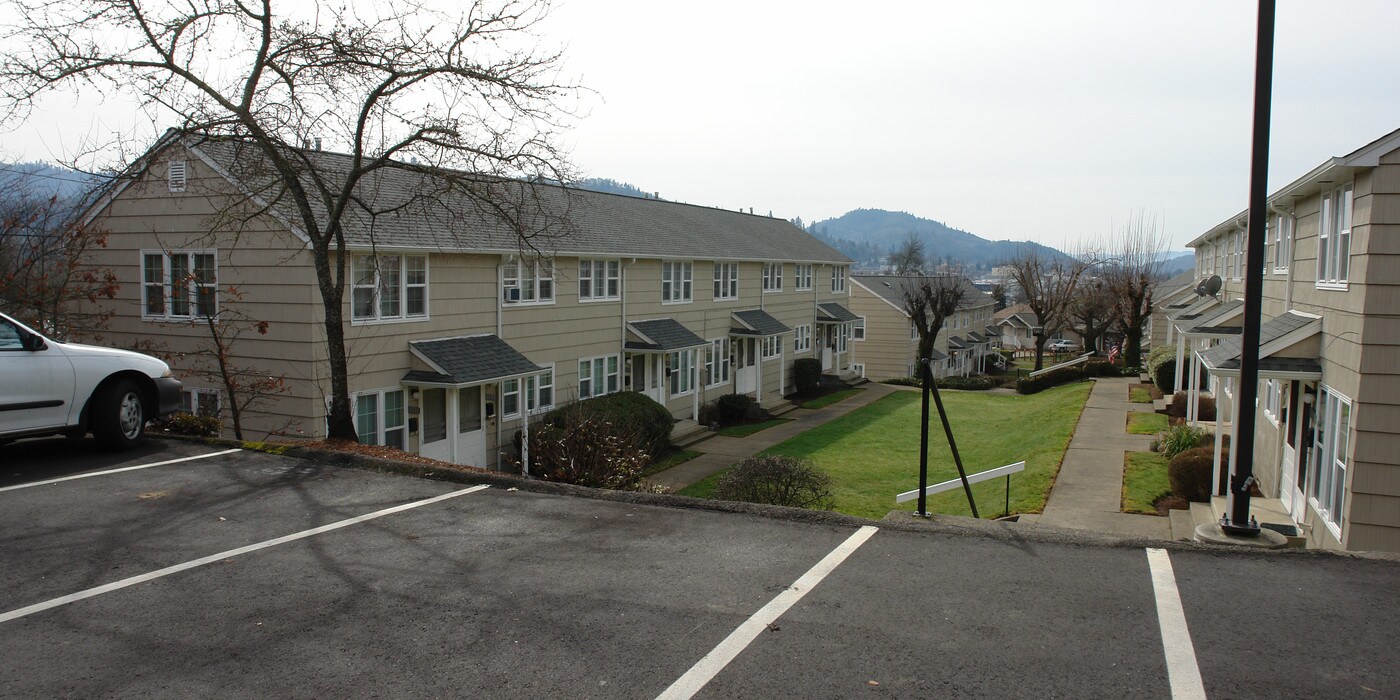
[[1144, 481], [1140, 423], [873, 453]]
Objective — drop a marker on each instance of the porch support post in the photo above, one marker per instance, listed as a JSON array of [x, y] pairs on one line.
[[1219, 442], [1180, 361]]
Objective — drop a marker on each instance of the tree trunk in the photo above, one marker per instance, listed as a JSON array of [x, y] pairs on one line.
[[1132, 342], [339, 423]]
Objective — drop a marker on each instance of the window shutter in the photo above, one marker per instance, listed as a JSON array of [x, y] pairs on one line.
[[175, 174]]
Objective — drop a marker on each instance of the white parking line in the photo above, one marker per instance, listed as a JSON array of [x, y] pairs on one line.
[[715, 661], [221, 556], [1182, 671], [117, 471]]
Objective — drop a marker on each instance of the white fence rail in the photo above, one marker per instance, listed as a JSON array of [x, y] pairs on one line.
[[1067, 363], [950, 484]]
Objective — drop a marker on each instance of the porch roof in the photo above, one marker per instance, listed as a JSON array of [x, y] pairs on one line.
[[955, 343], [832, 312], [474, 359], [756, 322], [662, 335], [1201, 322], [976, 337], [1275, 335]]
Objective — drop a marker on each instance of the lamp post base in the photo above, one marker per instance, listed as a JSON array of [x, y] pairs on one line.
[[1213, 533]]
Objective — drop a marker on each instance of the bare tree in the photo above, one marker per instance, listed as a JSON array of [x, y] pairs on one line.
[[1050, 286], [1133, 273], [245, 387], [929, 301], [465, 88], [908, 257], [1092, 313]]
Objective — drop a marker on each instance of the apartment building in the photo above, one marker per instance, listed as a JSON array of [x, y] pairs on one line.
[[887, 342], [462, 321]]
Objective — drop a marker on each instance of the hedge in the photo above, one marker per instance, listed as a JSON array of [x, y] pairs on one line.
[[806, 374], [1064, 375], [628, 408], [969, 383]]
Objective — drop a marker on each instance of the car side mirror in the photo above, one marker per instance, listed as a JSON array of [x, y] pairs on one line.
[[33, 342]]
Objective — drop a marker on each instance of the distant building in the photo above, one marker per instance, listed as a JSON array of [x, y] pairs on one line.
[[887, 342]]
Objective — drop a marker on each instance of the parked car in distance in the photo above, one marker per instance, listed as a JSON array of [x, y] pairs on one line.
[[1062, 346], [48, 388]]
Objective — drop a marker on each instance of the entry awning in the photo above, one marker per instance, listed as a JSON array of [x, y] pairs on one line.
[[1281, 349], [756, 322], [462, 361], [975, 337], [1225, 315], [831, 312], [661, 335], [955, 343]]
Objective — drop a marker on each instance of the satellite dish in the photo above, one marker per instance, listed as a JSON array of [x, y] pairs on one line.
[[1212, 285], [1201, 289]]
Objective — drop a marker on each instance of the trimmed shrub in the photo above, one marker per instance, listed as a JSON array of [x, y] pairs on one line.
[[734, 408], [969, 383], [902, 381], [806, 374], [1159, 354], [1164, 375], [1189, 474], [188, 424], [1205, 407], [776, 480], [1035, 385], [1180, 438], [1102, 368], [650, 420], [588, 451]]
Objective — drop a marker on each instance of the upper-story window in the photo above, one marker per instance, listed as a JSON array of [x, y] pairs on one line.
[[527, 281], [1230, 257], [1239, 253], [726, 281], [802, 277], [388, 287], [179, 284], [838, 278], [1334, 238], [598, 280], [676, 282], [1217, 253], [1283, 242], [772, 277]]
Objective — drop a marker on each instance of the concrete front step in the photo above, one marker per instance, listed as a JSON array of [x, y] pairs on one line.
[[1183, 525]]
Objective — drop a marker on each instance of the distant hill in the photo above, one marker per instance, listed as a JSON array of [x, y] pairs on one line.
[[1176, 263], [867, 235], [45, 180], [602, 184]]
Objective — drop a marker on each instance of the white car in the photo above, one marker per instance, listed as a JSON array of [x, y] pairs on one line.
[[1062, 346], [48, 387]]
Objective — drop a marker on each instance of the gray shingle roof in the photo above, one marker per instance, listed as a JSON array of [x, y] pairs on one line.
[[976, 337], [1275, 328], [831, 312], [992, 332], [757, 322], [663, 335], [1279, 365], [472, 359], [443, 210], [955, 343], [891, 288], [936, 356]]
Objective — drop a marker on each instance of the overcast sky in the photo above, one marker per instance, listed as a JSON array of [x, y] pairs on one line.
[[1037, 120]]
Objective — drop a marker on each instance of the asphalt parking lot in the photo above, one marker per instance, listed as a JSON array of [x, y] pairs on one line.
[[248, 575]]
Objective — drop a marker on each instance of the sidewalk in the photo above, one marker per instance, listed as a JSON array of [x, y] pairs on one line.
[[1088, 492], [720, 452]]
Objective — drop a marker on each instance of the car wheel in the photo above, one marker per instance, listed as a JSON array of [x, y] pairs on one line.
[[118, 418]]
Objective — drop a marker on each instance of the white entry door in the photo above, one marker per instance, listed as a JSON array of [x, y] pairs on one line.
[[433, 442], [745, 367], [471, 438]]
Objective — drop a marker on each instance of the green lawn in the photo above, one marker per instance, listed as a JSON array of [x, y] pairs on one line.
[[751, 428], [670, 460], [872, 453], [1140, 423], [1144, 481], [1139, 394], [831, 398]]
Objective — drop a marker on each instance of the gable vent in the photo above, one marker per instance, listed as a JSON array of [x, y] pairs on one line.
[[175, 175]]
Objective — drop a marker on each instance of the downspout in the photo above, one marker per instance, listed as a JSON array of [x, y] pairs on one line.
[[500, 312]]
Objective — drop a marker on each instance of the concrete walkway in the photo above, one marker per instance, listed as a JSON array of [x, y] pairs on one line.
[[720, 451], [1088, 492]]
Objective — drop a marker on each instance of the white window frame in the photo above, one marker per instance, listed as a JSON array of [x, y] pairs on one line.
[[677, 281], [1283, 242], [539, 391], [602, 372], [772, 277], [1238, 246], [1331, 441], [913, 331], [1273, 399], [531, 280], [190, 285], [1334, 238], [682, 379], [599, 279], [802, 277], [716, 366], [770, 347], [197, 401], [382, 429], [510, 392], [726, 284], [377, 286], [858, 329], [838, 278], [802, 339]]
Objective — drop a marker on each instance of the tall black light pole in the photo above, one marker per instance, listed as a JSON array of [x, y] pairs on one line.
[[927, 375], [1237, 520]]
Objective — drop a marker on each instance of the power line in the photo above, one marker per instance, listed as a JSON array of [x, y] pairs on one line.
[[10, 169]]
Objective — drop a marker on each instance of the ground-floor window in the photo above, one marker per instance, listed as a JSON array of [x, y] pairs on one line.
[[1330, 434], [379, 418], [510, 398], [802, 339], [772, 346], [717, 362], [200, 402], [539, 391], [597, 376], [682, 369]]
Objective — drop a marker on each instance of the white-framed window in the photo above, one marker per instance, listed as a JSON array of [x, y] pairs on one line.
[[717, 362], [388, 287], [726, 281], [1283, 242], [597, 376], [1218, 252], [802, 277], [200, 402], [838, 278], [1239, 247], [676, 281], [772, 277], [1331, 431], [913, 331], [599, 280], [379, 417], [1275, 398], [858, 328], [1334, 238], [802, 339], [176, 175], [771, 346], [539, 391], [858, 368], [682, 370], [1230, 256], [179, 284], [527, 281], [510, 398], [843, 335]]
